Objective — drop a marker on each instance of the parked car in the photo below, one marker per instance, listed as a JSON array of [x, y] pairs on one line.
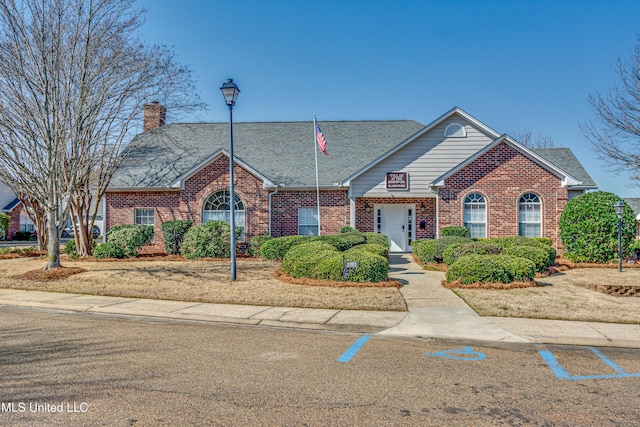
[[68, 232]]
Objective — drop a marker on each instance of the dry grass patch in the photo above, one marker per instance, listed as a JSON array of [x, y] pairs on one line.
[[489, 285], [199, 281], [563, 296]]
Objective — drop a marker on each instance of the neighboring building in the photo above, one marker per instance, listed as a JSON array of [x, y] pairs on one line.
[[399, 178], [18, 219], [635, 205]]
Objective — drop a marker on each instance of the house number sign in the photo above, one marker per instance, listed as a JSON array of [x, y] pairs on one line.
[[397, 181]]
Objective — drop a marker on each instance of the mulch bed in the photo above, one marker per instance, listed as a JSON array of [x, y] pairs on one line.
[[50, 275]]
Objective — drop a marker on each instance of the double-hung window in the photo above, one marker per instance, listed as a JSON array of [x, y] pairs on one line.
[[475, 215], [308, 221]]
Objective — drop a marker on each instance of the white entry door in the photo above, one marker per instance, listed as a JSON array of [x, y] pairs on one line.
[[394, 225]]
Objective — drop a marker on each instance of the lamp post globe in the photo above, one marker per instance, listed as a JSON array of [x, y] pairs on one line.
[[230, 92]]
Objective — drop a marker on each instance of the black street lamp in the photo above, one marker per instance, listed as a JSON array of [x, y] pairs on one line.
[[619, 207], [230, 92]]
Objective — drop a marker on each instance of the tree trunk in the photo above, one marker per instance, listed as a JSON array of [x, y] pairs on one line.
[[53, 241]]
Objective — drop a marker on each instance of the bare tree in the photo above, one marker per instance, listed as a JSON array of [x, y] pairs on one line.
[[539, 140], [74, 77], [614, 133]]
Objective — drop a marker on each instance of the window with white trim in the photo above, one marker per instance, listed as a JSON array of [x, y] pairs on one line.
[[144, 216], [308, 221], [455, 130], [530, 216], [475, 215], [218, 207], [25, 223]]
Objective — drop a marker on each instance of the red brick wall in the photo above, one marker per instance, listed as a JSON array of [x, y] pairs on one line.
[[365, 221], [14, 221], [502, 176], [189, 203], [334, 210]]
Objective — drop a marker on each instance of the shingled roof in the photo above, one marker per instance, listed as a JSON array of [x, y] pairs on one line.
[[567, 161], [282, 152]]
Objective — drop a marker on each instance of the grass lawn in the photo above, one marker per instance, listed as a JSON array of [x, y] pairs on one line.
[[564, 296], [197, 281]]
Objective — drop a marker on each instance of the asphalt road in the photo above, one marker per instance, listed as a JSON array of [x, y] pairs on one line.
[[82, 369]]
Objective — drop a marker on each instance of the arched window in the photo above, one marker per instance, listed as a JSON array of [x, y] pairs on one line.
[[455, 130], [218, 207], [529, 216], [475, 215]]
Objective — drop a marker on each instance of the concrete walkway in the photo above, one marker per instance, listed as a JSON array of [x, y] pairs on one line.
[[433, 312]]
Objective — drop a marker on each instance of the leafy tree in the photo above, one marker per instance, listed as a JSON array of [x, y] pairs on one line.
[[74, 78], [589, 228], [614, 133]]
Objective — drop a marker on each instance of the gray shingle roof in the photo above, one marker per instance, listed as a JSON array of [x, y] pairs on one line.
[[280, 151], [567, 161], [634, 204]]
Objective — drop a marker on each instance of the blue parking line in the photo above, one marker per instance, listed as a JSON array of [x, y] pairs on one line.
[[354, 349], [562, 374]]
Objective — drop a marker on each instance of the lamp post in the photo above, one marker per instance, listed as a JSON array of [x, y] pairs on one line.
[[619, 207], [230, 92]]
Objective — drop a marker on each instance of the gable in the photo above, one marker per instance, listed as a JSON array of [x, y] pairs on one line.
[[425, 158]]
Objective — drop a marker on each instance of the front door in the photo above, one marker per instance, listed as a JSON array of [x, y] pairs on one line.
[[394, 225]]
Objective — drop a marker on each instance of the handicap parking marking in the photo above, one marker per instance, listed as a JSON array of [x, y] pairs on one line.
[[466, 353], [562, 373], [354, 349]]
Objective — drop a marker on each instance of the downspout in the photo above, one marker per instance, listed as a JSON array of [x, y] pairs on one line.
[[270, 200], [437, 213]]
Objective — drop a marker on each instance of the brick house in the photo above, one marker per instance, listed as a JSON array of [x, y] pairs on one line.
[[399, 178]]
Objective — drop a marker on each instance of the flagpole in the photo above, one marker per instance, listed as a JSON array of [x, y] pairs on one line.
[[315, 150]]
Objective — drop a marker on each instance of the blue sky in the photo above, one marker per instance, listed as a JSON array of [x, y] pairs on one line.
[[513, 65]]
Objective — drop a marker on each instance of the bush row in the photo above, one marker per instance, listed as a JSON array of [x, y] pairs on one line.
[[491, 268]]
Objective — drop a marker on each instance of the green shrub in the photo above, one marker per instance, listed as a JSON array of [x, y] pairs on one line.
[[4, 224], [108, 250], [342, 241], [346, 229], [276, 248], [374, 248], [634, 248], [457, 250], [376, 238], [429, 250], [538, 255], [589, 228], [208, 240], [130, 237], [173, 232], [455, 230], [371, 267], [23, 235], [256, 242], [491, 268], [537, 242], [71, 250], [314, 260]]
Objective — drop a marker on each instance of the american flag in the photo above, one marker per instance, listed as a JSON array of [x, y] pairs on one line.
[[322, 143]]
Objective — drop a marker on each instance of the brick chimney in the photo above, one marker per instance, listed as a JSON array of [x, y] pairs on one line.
[[154, 115]]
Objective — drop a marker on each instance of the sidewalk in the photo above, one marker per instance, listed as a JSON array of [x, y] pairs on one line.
[[433, 312]]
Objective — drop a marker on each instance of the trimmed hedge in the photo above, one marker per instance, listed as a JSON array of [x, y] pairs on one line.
[[208, 240], [256, 242], [455, 230], [371, 267], [173, 232], [277, 248], [314, 260], [342, 241], [457, 250], [430, 250], [346, 229], [376, 238], [537, 242], [71, 250], [491, 268], [130, 237], [108, 250], [539, 256], [373, 248]]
